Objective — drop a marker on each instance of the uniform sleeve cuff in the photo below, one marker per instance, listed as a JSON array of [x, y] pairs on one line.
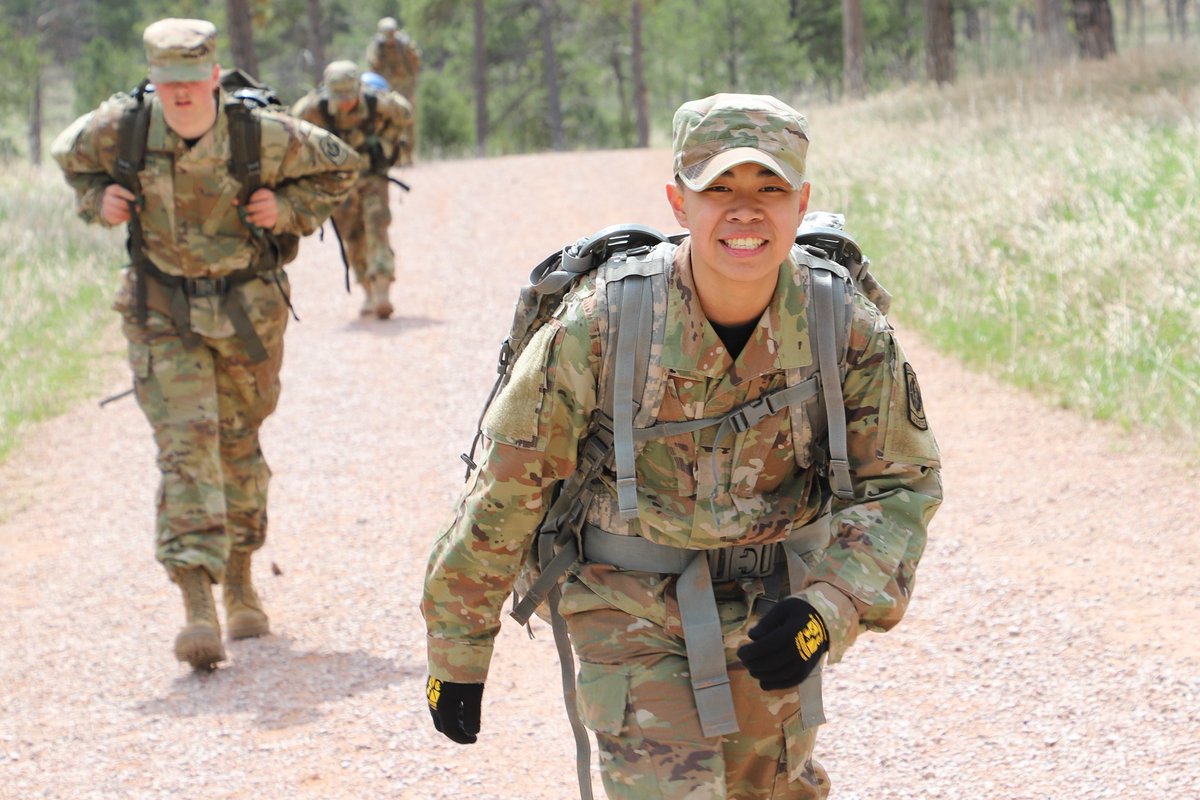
[[458, 662], [840, 616], [286, 220]]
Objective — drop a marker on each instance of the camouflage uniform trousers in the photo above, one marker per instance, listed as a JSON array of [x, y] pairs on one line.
[[635, 693], [205, 405], [362, 222]]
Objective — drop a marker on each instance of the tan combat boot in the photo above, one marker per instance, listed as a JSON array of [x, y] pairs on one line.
[[244, 615], [380, 285], [199, 643], [368, 306]]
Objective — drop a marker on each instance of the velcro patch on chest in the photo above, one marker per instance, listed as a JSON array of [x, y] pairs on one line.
[[513, 417]]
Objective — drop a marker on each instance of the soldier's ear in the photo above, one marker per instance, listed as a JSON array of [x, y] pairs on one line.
[[675, 198]]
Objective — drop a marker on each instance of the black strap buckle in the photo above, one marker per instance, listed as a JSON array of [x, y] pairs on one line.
[[205, 287]]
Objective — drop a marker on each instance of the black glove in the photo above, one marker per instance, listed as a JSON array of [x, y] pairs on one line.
[[455, 708], [786, 644]]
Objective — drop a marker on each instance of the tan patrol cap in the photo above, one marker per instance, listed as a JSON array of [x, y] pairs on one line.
[[388, 25], [341, 80], [180, 50]]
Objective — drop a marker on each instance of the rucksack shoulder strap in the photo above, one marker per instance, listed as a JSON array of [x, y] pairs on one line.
[[633, 282], [245, 145], [132, 130], [829, 299]]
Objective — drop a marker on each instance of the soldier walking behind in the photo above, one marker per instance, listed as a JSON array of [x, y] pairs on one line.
[[714, 569], [393, 54], [215, 196], [374, 124]]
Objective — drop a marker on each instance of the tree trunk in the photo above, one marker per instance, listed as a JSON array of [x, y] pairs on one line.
[[1050, 31], [241, 36], [1181, 15], [1128, 19], [854, 38], [316, 40], [1094, 28], [550, 70], [733, 13], [939, 41], [479, 78], [35, 120], [972, 28], [1170, 9], [640, 104]]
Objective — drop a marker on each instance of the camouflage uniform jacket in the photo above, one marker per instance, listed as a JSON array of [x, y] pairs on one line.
[[863, 579], [398, 61], [190, 224], [390, 126]]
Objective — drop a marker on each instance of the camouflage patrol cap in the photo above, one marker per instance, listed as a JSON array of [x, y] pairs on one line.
[[388, 25], [341, 80], [719, 132], [180, 50]]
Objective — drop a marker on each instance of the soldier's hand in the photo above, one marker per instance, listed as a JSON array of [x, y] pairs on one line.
[[455, 708], [114, 205], [785, 645], [262, 209]]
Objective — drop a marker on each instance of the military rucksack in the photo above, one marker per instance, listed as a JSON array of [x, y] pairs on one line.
[[628, 264], [244, 94]]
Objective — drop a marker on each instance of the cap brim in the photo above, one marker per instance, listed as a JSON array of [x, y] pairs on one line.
[[698, 176], [181, 73]]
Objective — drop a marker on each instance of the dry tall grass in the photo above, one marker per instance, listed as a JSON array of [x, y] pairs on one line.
[[1045, 227], [56, 281]]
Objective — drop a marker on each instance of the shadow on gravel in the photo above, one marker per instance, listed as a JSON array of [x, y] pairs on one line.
[[391, 327], [282, 686]]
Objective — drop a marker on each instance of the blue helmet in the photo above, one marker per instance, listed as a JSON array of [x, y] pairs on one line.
[[374, 81]]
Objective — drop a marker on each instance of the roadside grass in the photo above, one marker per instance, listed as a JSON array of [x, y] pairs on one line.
[[1044, 228], [56, 283]]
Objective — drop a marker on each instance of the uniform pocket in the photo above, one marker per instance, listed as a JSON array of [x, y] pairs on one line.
[[602, 696], [139, 360]]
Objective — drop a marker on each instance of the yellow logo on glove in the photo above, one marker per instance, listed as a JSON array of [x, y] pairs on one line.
[[811, 637], [433, 692]]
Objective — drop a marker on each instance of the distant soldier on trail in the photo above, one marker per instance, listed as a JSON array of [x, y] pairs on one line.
[[375, 124], [393, 54], [215, 195]]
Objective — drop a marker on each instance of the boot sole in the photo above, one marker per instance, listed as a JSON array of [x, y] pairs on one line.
[[247, 625], [384, 311], [200, 646]]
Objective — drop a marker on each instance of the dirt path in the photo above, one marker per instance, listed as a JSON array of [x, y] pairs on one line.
[[1051, 651]]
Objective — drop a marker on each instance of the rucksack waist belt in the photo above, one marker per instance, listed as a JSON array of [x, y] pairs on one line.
[[180, 289], [697, 569], [724, 563]]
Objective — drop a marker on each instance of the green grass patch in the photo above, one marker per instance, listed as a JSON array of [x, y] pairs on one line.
[[1042, 228], [56, 282]]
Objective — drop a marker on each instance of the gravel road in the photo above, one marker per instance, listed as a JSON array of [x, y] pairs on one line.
[[1051, 651]]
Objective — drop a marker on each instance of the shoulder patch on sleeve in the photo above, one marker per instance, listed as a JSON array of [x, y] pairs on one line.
[[916, 407], [333, 149]]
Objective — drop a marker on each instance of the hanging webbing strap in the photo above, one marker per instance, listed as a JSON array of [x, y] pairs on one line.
[[826, 319], [701, 619], [566, 666], [131, 154], [633, 344]]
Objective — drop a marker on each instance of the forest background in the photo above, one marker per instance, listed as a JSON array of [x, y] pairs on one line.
[[1023, 170]]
